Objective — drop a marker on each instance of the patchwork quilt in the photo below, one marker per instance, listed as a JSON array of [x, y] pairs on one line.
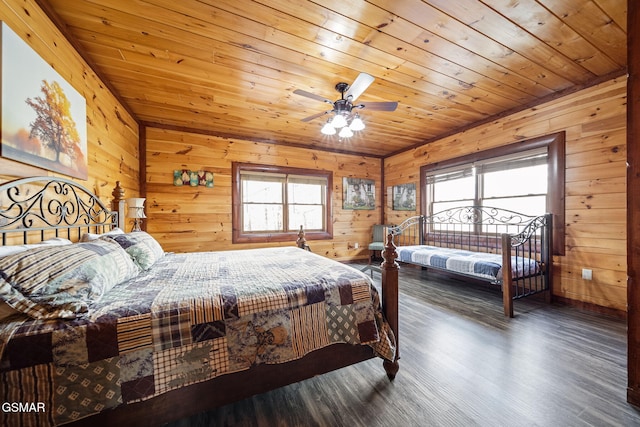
[[482, 265], [189, 318]]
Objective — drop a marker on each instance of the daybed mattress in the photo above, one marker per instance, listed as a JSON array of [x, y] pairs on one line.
[[191, 317], [482, 265]]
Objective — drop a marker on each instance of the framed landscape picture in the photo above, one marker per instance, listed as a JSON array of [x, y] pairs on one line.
[[358, 193], [44, 120], [404, 197]]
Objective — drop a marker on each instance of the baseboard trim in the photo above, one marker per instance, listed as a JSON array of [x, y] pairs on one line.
[[587, 306], [633, 396]]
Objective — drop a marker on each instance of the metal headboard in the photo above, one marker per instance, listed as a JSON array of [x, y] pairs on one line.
[[36, 208]]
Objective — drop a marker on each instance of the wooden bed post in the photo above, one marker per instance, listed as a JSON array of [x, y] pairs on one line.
[[547, 243], [117, 204], [390, 299], [507, 287], [302, 241]]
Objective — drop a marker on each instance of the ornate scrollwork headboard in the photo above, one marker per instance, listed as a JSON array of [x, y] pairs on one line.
[[36, 208]]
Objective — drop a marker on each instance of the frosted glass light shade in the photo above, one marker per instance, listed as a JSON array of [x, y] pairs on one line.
[[328, 129], [345, 132], [339, 121], [356, 123]]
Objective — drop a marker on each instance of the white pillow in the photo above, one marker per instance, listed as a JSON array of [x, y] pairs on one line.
[[87, 237], [9, 250], [54, 241]]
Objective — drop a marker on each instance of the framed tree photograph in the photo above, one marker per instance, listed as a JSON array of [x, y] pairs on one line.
[[358, 193], [44, 120], [404, 197]]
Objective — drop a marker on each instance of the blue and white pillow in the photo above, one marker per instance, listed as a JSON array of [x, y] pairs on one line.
[[62, 281], [141, 247]]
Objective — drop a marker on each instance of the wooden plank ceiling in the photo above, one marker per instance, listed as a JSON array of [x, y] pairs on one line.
[[230, 67]]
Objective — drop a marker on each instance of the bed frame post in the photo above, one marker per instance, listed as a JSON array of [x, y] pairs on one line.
[[390, 299], [547, 257], [117, 204], [507, 286], [301, 242]]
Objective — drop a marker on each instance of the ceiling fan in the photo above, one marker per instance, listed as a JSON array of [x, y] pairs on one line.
[[344, 117]]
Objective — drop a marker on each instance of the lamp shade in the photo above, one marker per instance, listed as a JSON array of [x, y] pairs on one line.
[[135, 213], [136, 207], [135, 202]]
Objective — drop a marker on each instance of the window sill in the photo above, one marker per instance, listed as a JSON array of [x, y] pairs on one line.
[[279, 237]]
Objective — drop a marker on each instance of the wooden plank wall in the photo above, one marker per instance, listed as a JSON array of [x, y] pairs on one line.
[[595, 123], [189, 219], [112, 134], [198, 219]]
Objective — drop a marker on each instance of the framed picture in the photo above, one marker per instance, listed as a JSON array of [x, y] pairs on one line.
[[404, 197], [358, 193], [205, 178], [44, 119], [189, 178]]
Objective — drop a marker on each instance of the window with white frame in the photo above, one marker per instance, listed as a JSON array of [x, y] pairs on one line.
[[271, 203]]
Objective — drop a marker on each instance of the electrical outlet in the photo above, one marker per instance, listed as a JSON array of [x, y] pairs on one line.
[[356, 245], [587, 274]]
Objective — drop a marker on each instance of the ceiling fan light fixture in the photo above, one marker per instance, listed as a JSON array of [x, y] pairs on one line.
[[328, 129], [357, 123], [338, 121], [345, 132], [344, 118]]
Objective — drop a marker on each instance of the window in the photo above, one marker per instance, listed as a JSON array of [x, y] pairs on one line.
[[516, 182], [271, 203], [526, 176]]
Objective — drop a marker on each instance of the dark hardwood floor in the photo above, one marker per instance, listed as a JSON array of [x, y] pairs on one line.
[[464, 364]]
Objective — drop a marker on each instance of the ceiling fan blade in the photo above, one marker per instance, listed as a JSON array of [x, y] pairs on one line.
[[378, 106], [360, 84], [312, 96], [308, 119]]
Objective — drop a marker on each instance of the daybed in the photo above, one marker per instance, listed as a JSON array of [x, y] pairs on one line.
[[113, 331], [502, 247]]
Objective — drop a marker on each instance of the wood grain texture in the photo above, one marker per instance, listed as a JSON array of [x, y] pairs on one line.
[[464, 363], [230, 67], [595, 183], [112, 133], [189, 219]]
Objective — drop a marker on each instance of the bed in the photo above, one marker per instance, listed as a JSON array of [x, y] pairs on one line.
[[101, 327], [502, 247]]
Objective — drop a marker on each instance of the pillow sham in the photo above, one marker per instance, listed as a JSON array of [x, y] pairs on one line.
[[143, 249], [87, 237], [61, 282], [55, 241]]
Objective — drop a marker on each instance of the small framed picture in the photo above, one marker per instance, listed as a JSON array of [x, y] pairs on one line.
[[186, 177], [358, 193], [404, 197]]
